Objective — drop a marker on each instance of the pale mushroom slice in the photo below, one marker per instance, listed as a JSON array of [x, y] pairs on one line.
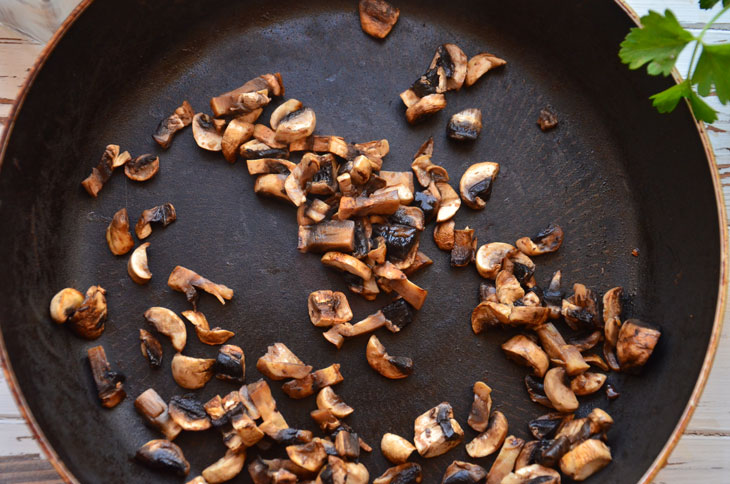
[[329, 236], [272, 185], [191, 373], [526, 352], [225, 104], [532, 474], [612, 314], [280, 363], [465, 125], [226, 468], [411, 292], [408, 473], [436, 431], [206, 335], [188, 282], [295, 125], [395, 448], [489, 314], [456, 75], [479, 65], [347, 263], [547, 240], [636, 342], [207, 133], [476, 183], [425, 107], [296, 182], [587, 383], [460, 472], [236, 133], [490, 256], [489, 441], [153, 408], [560, 394], [505, 461], [142, 168], [481, 407], [328, 399], [137, 266], [169, 126], [151, 348], [163, 455], [403, 180], [259, 393], [465, 247], [584, 460], [250, 102], [163, 214], [187, 412], [264, 166], [118, 236], [168, 323], [377, 17], [327, 308], [64, 304], [100, 174], [532, 316], [393, 367], [450, 202], [109, 384], [88, 319]]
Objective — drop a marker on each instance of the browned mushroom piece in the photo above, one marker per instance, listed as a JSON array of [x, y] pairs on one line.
[[532, 474], [526, 352], [347, 444], [556, 347], [395, 448], [476, 183], [402, 180], [188, 282], [163, 214], [465, 125], [509, 289], [272, 185], [360, 169], [327, 399], [296, 182], [327, 308], [450, 202], [585, 340], [587, 383], [465, 247], [168, 323], [88, 319], [479, 65], [481, 407], [280, 363], [490, 256], [310, 456], [424, 107], [64, 304], [118, 236], [585, 459], [191, 373], [347, 263], [393, 367], [255, 149], [230, 364], [420, 261], [260, 394], [490, 314], [187, 412], [304, 387], [612, 306], [489, 441], [547, 240], [100, 174], [411, 216], [532, 316], [163, 455], [206, 335], [383, 203], [225, 468], [367, 288], [408, 473], [312, 212], [412, 293], [142, 168], [207, 132], [377, 17], [153, 408], [137, 266], [394, 316], [505, 461], [436, 431], [324, 182], [487, 292], [561, 396], [536, 391], [325, 419], [109, 386], [264, 166], [545, 426], [267, 136], [229, 103], [236, 133], [151, 348], [333, 235], [294, 125], [548, 118], [169, 126], [636, 342]]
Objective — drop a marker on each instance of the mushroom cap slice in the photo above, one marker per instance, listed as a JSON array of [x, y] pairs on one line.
[[425, 106], [395, 448], [479, 65], [151, 348], [164, 214], [547, 240], [206, 133], [186, 281], [297, 180], [167, 128], [168, 323], [532, 474], [459, 59], [310, 456], [505, 461], [436, 431], [636, 342], [560, 395], [585, 459], [481, 407], [327, 308], [328, 399], [587, 383], [304, 387], [465, 125], [64, 304], [491, 439], [142, 168], [460, 472], [153, 408], [509, 289], [283, 110], [526, 352], [191, 373], [226, 468], [137, 267], [88, 319], [108, 383], [476, 184], [230, 364], [377, 17], [393, 367], [408, 473], [490, 256], [101, 173], [118, 236], [450, 202], [236, 133], [296, 125], [163, 455], [280, 363], [215, 336], [347, 263], [187, 412], [272, 185]]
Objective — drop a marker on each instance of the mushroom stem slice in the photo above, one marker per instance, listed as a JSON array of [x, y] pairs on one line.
[[142, 168], [377, 17], [407, 473], [191, 373], [207, 133], [395, 448], [560, 394], [103, 171], [226, 468], [169, 324], [333, 235], [436, 431], [337, 334], [280, 363], [465, 125], [272, 185], [347, 263], [164, 214], [260, 394], [465, 247], [586, 459], [479, 65], [491, 439], [381, 203], [481, 407], [213, 337], [88, 319], [393, 367], [476, 184], [506, 459], [118, 236], [163, 455], [137, 267], [236, 133], [304, 387], [412, 293], [555, 346], [167, 128], [225, 104], [151, 348], [186, 281], [526, 352], [636, 342], [425, 106], [154, 410], [64, 304], [263, 166], [327, 308], [109, 384]]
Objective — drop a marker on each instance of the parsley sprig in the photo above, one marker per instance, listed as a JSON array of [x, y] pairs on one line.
[[658, 43]]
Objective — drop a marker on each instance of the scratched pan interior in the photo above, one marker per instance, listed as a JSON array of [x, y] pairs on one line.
[[615, 175]]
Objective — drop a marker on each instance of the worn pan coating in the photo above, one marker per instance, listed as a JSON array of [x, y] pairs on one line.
[[615, 174]]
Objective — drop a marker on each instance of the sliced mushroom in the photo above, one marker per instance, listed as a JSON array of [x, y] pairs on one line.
[[489, 314], [636, 342], [324, 182], [151, 348], [490, 256], [215, 336], [228, 103], [401, 241], [167, 128], [532, 474], [393, 367], [236, 133], [450, 202], [163, 455], [481, 407], [560, 395], [118, 237], [244, 427], [154, 410], [263, 166], [310, 456], [548, 119], [333, 235], [100, 174], [394, 316], [436, 431], [186, 281], [412, 293], [230, 364], [207, 132], [526, 352], [191, 373], [465, 125], [547, 240], [142, 168], [487, 292], [304, 387], [325, 419], [476, 184], [109, 386], [425, 106], [506, 459], [395, 448], [226, 468], [137, 266], [329, 400], [479, 65], [421, 260], [545, 426], [555, 346], [536, 391], [587, 383], [327, 308], [443, 235], [347, 263], [255, 149], [408, 473], [377, 17], [169, 324], [187, 412], [347, 445], [508, 287], [465, 247], [164, 214], [260, 394], [584, 460], [267, 136], [64, 304], [460, 472], [272, 185], [532, 316], [88, 319], [280, 363], [197, 480], [295, 125], [297, 180], [382, 203], [491, 439]]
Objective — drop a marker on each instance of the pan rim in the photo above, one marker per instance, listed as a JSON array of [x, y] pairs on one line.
[[661, 459]]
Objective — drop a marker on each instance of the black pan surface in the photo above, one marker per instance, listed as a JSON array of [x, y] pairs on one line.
[[615, 175]]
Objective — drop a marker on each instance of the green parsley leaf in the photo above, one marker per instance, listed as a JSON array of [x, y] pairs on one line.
[[658, 42], [701, 109], [708, 4], [713, 68], [667, 100]]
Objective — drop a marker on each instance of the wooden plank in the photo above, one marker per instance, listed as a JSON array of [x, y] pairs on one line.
[[27, 469], [698, 459]]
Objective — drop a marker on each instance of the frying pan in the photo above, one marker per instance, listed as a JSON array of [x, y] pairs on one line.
[[615, 175]]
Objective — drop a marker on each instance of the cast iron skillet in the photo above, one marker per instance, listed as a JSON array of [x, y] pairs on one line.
[[615, 175]]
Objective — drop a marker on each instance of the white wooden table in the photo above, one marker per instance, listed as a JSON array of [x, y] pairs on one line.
[[703, 454]]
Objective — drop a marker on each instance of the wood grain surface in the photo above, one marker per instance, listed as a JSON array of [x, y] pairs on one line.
[[702, 455]]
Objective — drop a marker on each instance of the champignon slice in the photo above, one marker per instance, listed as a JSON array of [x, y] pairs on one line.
[[333, 235], [272, 185], [547, 240], [636, 342], [260, 394], [88, 319], [585, 459], [230, 364], [118, 236], [109, 386], [465, 125], [393, 367], [324, 418], [187, 412], [100, 174], [296, 182], [347, 445], [236, 133], [295, 125], [64, 304], [587, 383], [163, 455], [164, 214], [450, 202], [226, 468], [412, 293], [480, 407], [394, 316], [324, 182], [263, 166], [465, 247], [207, 133], [395, 448], [151, 348], [548, 119], [443, 235], [304, 387], [545, 426], [476, 184], [425, 106], [490, 256], [191, 373], [560, 394], [142, 168], [255, 149], [327, 308], [408, 473], [377, 17], [526, 352], [382, 203], [532, 474], [479, 65], [186, 281], [489, 314], [280, 363], [555, 346], [137, 267], [347, 263], [508, 287], [436, 431], [491, 439], [169, 324], [421, 260], [167, 128], [215, 336], [154, 410], [310, 456], [506, 459], [229, 103], [460, 472], [329, 400], [536, 391]]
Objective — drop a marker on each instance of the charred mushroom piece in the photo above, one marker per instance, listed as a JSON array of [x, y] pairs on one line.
[[636, 342], [420, 261], [411, 216], [584, 460], [347, 445], [64, 304], [465, 247], [264, 166], [489, 314], [479, 65], [450, 202], [236, 133], [187, 412], [436, 431], [304, 387], [186, 281], [491, 439], [137, 266], [476, 184], [272, 185], [460, 472], [109, 386], [191, 373], [395, 448], [110, 160], [151, 348], [169, 324], [88, 319], [587, 383], [532, 474], [394, 316], [526, 352], [490, 256], [260, 394], [226, 468], [230, 102], [280, 363], [167, 128], [487, 292], [412, 293], [548, 119], [310, 456], [230, 364], [295, 125], [408, 473], [400, 240], [425, 106], [547, 240], [215, 336], [560, 395], [118, 237], [296, 183], [506, 459], [443, 235], [545, 426], [377, 17], [328, 399], [164, 214], [163, 455], [207, 133], [327, 308], [142, 168], [267, 136], [154, 410], [427, 203], [465, 125], [255, 149], [333, 235], [481, 407], [347, 263], [393, 367], [324, 182], [536, 391]]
